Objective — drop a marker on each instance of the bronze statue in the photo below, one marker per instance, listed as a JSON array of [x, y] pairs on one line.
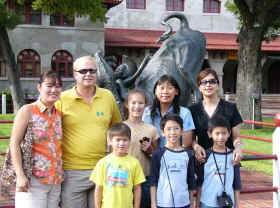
[[181, 55]]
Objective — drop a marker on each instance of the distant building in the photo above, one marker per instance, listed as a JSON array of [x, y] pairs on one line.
[[45, 41], [133, 27]]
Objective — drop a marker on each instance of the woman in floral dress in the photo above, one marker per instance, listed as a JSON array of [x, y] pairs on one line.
[[38, 181]]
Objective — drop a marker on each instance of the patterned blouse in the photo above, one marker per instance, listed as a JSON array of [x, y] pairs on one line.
[[47, 152]]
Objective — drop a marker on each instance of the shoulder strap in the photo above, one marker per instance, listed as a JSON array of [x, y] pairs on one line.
[[223, 183]]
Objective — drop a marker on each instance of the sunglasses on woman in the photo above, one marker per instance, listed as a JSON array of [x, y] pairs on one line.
[[210, 81]]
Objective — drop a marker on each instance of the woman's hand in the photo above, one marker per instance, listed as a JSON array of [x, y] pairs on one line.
[[237, 156], [22, 183], [200, 153]]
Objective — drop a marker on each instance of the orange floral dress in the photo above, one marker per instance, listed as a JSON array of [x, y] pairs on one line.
[[47, 152]]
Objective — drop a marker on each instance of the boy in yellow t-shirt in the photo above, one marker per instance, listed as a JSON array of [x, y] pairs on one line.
[[118, 176]]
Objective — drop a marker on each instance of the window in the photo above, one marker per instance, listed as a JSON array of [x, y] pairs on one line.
[[62, 63], [175, 5], [29, 63], [61, 20], [211, 6], [136, 4], [2, 67], [30, 15]]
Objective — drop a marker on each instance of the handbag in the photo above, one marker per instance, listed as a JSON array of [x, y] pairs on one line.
[[8, 174], [223, 200]]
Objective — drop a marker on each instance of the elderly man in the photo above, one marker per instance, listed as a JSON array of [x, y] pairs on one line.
[[87, 113]]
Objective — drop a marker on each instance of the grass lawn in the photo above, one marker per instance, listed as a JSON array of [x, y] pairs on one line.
[[5, 130], [256, 146], [259, 146]]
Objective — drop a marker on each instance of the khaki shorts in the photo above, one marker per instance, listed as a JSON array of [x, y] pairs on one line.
[[77, 190]]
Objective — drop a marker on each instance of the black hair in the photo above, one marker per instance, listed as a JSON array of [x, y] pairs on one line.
[[218, 121], [50, 74], [119, 129], [132, 92], [171, 117], [156, 103]]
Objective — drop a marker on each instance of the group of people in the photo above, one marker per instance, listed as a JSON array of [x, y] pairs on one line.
[[159, 156]]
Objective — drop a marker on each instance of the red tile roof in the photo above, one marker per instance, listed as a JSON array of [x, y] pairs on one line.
[[147, 38]]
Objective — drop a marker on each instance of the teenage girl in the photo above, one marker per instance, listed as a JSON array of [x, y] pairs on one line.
[[144, 137], [166, 100]]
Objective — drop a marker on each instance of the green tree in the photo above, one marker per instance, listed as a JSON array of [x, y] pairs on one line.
[[9, 20], [259, 20]]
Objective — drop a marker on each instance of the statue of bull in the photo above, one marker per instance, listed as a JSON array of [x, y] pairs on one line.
[[181, 55]]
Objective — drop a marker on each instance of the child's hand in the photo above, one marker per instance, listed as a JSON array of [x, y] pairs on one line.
[[146, 146]]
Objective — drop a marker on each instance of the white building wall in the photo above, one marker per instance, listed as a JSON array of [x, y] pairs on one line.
[[150, 18]]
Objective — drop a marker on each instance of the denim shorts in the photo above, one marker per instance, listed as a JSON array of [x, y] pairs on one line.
[[146, 198]]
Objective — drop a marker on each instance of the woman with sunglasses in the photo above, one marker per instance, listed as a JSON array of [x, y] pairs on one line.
[[211, 105]]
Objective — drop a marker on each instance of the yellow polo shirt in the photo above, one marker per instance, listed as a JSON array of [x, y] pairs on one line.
[[85, 127]]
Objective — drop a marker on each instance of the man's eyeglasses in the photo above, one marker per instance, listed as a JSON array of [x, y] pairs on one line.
[[210, 81], [85, 71]]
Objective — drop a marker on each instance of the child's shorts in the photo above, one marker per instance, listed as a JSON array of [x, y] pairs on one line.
[[146, 198]]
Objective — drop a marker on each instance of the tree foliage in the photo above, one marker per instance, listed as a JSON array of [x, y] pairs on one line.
[[273, 27], [8, 19], [92, 8]]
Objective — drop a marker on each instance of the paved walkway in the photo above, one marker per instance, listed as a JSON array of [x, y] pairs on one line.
[[252, 179], [249, 179]]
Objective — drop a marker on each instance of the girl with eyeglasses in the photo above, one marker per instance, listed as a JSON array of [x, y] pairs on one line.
[[166, 100], [211, 105]]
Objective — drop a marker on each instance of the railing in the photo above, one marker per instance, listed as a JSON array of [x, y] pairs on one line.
[[270, 103], [260, 156]]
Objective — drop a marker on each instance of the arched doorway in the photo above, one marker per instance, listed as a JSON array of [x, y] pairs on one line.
[[230, 76], [273, 78], [28, 62], [62, 63]]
